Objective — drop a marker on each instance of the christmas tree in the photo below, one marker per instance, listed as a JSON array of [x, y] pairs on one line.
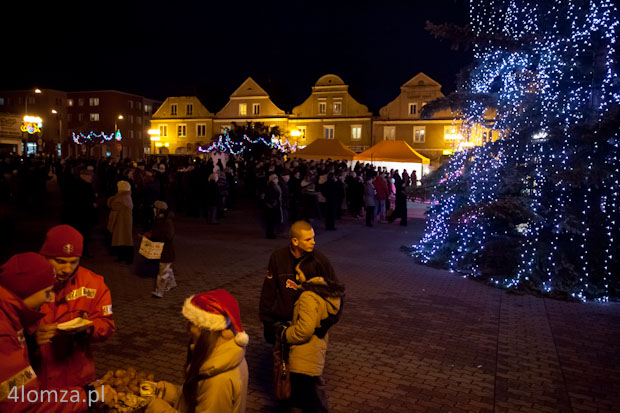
[[538, 208]]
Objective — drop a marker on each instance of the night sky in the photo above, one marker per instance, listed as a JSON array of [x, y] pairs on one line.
[[205, 48]]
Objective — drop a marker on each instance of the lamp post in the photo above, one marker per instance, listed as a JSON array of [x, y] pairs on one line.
[[119, 117], [60, 137]]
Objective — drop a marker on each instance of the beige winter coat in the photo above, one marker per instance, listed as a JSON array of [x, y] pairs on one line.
[[224, 389], [120, 221], [307, 355]]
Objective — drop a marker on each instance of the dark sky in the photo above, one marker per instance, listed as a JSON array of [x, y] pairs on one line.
[[205, 48]]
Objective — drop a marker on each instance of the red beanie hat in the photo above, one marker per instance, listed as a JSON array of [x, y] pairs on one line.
[[216, 310], [62, 241], [27, 273]]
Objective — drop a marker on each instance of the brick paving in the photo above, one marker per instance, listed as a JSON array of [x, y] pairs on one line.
[[411, 339]]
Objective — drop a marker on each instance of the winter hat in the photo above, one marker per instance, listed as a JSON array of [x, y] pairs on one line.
[[123, 186], [160, 205], [216, 310], [27, 273], [62, 241]]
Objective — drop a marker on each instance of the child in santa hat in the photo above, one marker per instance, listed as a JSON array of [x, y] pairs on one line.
[[216, 373]]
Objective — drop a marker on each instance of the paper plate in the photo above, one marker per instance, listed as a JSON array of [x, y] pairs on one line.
[[77, 324]]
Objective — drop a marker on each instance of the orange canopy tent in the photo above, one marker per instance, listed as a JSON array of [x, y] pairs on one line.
[[396, 155], [324, 149], [392, 151]]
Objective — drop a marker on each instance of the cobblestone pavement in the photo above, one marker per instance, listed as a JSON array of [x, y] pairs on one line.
[[411, 338]]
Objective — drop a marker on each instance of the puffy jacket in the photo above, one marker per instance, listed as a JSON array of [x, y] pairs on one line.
[[67, 360], [15, 368], [223, 384], [307, 354]]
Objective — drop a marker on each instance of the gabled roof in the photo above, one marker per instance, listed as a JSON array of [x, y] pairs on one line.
[[392, 151], [324, 149], [249, 88], [420, 80]]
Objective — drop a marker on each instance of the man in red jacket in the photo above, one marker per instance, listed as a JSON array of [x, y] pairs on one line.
[[26, 282], [65, 357]]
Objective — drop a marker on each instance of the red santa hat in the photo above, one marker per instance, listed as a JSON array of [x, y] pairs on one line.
[[216, 310], [62, 241], [27, 273]]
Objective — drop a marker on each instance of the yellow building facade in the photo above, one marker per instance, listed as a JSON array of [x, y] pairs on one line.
[[434, 138], [180, 125], [330, 112], [249, 103]]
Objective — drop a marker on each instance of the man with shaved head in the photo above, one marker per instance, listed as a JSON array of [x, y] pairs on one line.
[[282, 285]]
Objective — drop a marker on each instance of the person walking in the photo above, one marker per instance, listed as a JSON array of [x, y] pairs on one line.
[[369, 200], [216, 372], [400, 210], [163, 231], [120, 222], [273, 206]]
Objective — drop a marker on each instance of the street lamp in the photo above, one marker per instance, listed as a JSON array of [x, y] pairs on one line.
[[118, 144], [60, 137]]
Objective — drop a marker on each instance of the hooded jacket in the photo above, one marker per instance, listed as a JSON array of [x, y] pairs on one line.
[[316, 303], [15, 368], [120, 220], [223, 386]]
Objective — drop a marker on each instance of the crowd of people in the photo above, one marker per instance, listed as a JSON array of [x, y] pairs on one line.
[[300, 301]]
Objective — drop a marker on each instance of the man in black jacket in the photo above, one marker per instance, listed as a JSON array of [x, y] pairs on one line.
[[281, 287]]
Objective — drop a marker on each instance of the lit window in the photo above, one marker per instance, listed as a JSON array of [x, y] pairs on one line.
[[419, 134], [1, 101], [201, 130], [190, 109], [181, 130], [147, 108], [173, 109], [389, 133], [163, 131], [243, 109], [94, 117], [69, 102], [337, 108], [256, 108], [93, 101], [328, 132], [413, 108], [356, 132], [322, 108]]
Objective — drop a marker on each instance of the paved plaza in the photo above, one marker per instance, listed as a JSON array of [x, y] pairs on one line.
[[411, 338]]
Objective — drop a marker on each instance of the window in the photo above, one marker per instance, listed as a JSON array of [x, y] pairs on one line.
[[337, 108], [413, 108], [139, 105], [451, 133], [31, 100], [80, 102], [419, 134], [69, 102], [163, 131], [182, 130], [356, 132], [190, 109], [322, 108], [69, 117], [139, 134], [173, 109], [93, 102], [139, 120], [130, 118], [80, 117], [201, 130], [243, 109], [1, 101], [131, 134], [328, 131], [147, 108], [302, 130], [94, 117], [130, 104], [256, 108], [389, 133]]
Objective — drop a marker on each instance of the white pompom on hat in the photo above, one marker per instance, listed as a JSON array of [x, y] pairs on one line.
[[216, 310]]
